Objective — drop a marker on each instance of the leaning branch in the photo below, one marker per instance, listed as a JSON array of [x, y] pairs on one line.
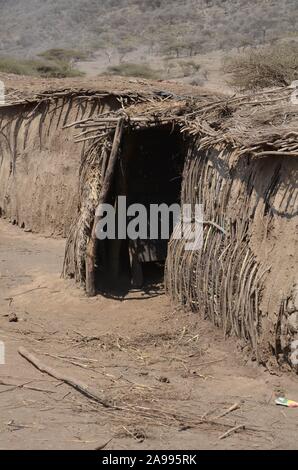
[[104, 193], [72, 382]]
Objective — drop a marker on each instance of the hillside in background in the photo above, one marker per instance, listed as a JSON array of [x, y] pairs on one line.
[[177, 27], [182, 40]]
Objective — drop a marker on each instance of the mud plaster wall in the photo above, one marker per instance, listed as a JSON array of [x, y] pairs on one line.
[[40, 161], [243, 280]]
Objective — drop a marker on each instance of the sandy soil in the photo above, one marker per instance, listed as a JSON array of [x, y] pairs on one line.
[[164, 368]]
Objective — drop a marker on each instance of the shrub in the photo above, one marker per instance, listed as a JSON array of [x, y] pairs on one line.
[[18, 67], [133, 70], [37, 68], [199, 81], [58, 69], [264, 67], [64, 55], [189, 67]]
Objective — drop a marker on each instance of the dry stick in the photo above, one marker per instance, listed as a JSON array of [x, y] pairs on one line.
[[24, 292], [103, 446], [231, 431], [104, 193], [213, 224], [72, 382], [275, 153], [234, 407]]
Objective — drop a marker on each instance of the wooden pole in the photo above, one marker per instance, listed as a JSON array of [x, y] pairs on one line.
[[104, 193]]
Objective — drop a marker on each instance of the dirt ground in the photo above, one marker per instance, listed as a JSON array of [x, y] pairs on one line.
[[170, 375]]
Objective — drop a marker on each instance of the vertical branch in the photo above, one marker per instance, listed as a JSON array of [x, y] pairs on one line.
[[104, 193]]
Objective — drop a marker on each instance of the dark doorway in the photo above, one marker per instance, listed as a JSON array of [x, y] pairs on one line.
[[149, 172]]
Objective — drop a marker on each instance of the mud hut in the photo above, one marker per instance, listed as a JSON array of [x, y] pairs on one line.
[[237, 156], [40, 158]]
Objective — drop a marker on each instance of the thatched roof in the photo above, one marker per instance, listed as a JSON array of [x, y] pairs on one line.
[[21, 90], [262, 124]]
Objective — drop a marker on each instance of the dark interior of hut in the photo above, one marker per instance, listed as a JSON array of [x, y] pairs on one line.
[[149, 171]]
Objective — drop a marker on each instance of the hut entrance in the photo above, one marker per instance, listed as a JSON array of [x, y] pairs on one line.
[[149, 172]]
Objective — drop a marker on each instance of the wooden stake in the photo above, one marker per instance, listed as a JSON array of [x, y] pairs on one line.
[[104, 193]]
